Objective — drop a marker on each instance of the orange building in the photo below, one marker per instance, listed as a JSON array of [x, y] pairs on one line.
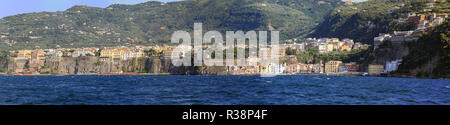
[[348, 2]]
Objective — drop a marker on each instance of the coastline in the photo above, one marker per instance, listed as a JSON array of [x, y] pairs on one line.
[[168, 74]]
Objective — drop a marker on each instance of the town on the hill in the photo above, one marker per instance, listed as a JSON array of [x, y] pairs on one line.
[[156, 59]]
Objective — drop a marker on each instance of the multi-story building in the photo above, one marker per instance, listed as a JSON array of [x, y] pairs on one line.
[[345, 47], [133, 54], [352, 67], [84, 52], [115, 53], [375, 69], [25, 54], [332, 66], [323, 48]]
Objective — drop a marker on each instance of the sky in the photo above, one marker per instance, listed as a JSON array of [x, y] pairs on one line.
[[13, 7]]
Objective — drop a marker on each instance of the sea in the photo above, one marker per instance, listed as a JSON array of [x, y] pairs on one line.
[[222, 90]]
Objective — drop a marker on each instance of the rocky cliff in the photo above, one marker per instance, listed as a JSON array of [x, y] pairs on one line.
[[93, 65]]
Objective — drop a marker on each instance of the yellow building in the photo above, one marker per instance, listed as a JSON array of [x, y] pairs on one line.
[[332, 66], [24, 54], [345, 47], [330, 47], [375, 69], [140, 54], [116, 53]]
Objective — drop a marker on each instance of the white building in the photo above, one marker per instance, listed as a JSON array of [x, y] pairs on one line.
[[392, 65], [322, 48], [378, 40], [82, 53]]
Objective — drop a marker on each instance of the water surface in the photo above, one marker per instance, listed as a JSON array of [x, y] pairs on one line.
[[221, 90]]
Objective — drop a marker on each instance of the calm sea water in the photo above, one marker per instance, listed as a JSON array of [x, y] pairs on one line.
[[220, 90]]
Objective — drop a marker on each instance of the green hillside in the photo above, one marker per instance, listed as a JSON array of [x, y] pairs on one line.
[[430, 55], [153, 22], [364, 21]]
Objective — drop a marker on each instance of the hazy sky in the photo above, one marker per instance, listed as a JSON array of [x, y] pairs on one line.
[[13, 7]]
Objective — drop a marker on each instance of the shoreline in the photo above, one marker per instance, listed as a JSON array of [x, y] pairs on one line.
[[168, 74]]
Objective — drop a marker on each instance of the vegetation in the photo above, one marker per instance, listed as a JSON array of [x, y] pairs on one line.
[[153, 22], [435, 45], [153, 53], [364, 21], [3, 60], [312, 55]]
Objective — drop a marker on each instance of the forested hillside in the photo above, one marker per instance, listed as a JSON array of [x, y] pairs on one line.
[[430, 55], [154, 22], [364, 21]]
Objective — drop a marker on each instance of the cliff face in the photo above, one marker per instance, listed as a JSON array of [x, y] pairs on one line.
[[429, 57], [93, 65], [390, 51]]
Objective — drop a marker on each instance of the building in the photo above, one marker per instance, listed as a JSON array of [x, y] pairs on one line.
[[343, 69], [415, 19], [25, 54], [292, 69], [167, 54], [37, 59], [379, 39], [133, 54], [332, 66], [299, 47], [348, 2], [352, 67], [330, 47], [375, 69], [323, 48], [393, 65], [345, 47], [84, 52], [403, 36], [116, 53]]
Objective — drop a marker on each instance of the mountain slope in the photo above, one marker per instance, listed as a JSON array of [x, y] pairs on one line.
[[154, 22], [362, 21], [430, 55]]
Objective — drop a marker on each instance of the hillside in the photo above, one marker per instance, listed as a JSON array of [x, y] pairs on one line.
[[430, 55], [153, 22], [364, 21]]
